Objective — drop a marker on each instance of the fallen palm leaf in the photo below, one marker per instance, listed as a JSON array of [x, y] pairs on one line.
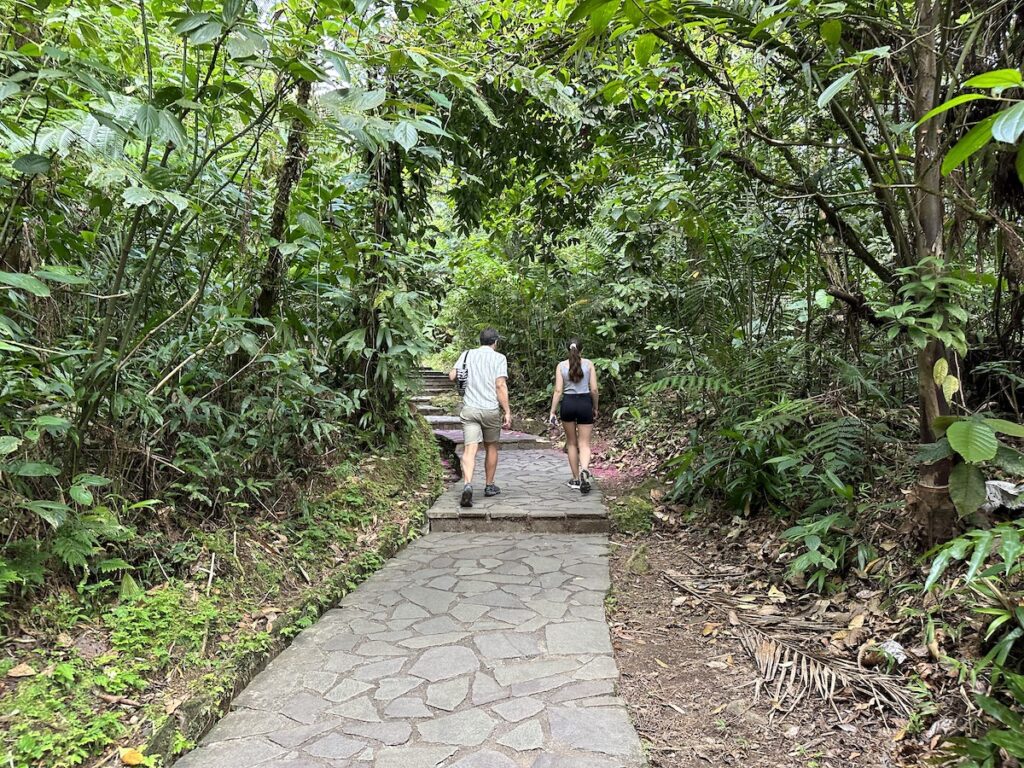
[[794, 672], [797, 673]]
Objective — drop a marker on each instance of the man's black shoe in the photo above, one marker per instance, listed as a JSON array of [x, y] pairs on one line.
[[585, 481], [467, 496], [492, 490]]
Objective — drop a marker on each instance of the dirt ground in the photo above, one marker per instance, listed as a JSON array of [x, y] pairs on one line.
[[690, 685]]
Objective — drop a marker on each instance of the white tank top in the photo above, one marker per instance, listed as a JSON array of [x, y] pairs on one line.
[[581, 387]]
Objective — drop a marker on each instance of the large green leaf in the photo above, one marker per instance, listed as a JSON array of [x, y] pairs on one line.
[[1000, 78], [929, 453], [975, 139], [53, 512], [190, 23], [1004, 427], [832, 32], [645, 47], [1009, 124], [833, 90], [245, 44], [207, 33], [171, 129], [1011, 741], [24, 282], [967, 488], [8, 89], [982, 544], [1000, 712], [1009, 460], [954, 102], [81, 495], [939, 566], [1010, 546], [36, 469], [405, 135], [973, 439], [139, 196], [586, 8], [32, 164], [147, 120]]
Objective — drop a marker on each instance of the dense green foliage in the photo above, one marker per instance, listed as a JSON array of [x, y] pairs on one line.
[[207, 278], [789, 235]]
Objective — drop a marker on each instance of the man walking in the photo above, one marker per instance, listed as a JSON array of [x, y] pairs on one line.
[[485, 410]]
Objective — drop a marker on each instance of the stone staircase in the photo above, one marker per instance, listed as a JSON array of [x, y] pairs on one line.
[[448, 427], [534, 498]]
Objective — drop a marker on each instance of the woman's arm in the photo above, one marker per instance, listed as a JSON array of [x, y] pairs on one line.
[[559, 386], [595, 394]]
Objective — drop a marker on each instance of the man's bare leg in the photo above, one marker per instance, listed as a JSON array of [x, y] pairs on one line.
[[490, 461], [469, 462]]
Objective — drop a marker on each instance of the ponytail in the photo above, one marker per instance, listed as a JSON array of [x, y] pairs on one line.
[[575, 361]]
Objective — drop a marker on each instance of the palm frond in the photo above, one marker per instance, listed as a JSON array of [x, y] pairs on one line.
[[788, 672]]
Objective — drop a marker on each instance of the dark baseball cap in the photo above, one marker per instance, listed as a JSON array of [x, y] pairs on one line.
[[489, 336]]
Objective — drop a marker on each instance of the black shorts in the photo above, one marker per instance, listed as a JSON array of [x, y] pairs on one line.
[[578, 408]]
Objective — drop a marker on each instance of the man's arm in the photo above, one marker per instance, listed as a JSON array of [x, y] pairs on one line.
[[455, 368], [501, 389]]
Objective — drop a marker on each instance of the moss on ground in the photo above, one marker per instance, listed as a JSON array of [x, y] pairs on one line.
[[633, 513], [108, 676]]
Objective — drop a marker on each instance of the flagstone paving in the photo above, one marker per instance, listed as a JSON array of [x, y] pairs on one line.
[[467, 650], [534, 496]]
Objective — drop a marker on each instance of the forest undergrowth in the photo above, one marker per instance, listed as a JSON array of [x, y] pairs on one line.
[[85, 679], [707, 599]]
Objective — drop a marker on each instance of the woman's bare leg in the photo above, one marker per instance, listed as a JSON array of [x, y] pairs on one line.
[[584, 432], [572, 448]]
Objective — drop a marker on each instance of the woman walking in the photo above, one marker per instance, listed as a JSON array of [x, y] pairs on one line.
[[576, 388]]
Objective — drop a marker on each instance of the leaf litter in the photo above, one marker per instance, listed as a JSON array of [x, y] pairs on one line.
[[725, 663]]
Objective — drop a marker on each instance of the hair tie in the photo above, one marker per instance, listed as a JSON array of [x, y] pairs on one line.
[[572, 346]]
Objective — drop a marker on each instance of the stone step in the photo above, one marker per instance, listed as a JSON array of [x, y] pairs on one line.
[[510, 440], [443, 421], [429, 410], [534, 497]]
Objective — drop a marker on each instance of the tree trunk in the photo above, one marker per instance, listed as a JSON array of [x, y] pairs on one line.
[[930, 499], [287, 177]]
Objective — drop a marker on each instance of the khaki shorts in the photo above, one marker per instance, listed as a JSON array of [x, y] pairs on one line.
[[480, 426]]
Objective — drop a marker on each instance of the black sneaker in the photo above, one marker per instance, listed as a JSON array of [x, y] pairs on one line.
[[585, 481], [491, 490], [466, 499], [574, 484]]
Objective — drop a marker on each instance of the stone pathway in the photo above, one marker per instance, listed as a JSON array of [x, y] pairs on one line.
[[464, 651], [467, 650], [534, 497]]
